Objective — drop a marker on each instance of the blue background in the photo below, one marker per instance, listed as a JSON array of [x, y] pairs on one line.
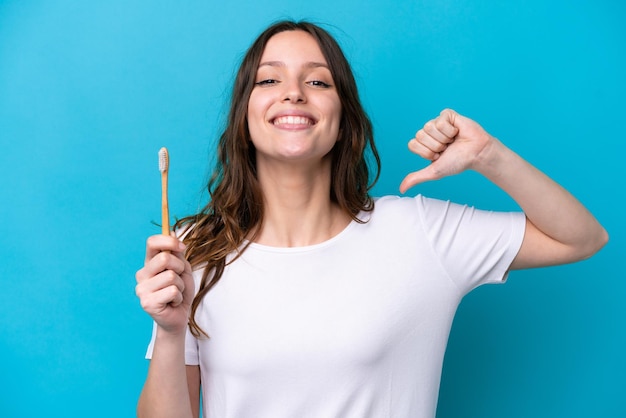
[[90, 90]]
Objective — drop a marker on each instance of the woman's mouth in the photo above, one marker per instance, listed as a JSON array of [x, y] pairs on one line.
[[293, 121]]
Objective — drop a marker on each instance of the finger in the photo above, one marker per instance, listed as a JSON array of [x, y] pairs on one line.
[[160, 281], [446, 123], [163, 261], [417, 177], [188, 279], [177, 299], [159, 243], [439, 130], [155, 294], [428, 152], [156, 302]]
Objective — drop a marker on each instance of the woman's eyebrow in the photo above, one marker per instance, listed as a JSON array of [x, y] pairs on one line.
[[309, 64]]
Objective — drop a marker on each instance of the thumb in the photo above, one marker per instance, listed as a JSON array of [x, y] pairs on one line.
[[417, 177]]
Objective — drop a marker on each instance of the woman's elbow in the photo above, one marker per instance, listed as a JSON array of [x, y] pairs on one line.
[[594, 243]]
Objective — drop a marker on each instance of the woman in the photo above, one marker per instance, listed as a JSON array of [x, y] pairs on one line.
[[311, 299]]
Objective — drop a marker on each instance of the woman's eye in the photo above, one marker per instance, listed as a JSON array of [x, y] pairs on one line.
[[319, 83], [266, 82]]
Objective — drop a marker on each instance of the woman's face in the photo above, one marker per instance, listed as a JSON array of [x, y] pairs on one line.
[[294, 111]]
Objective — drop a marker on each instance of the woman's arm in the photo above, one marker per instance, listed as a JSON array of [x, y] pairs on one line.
[[165, 289], [167, 391], [193, 384], [559, 229]]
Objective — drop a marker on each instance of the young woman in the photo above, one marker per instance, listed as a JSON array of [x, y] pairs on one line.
[[295, 294]]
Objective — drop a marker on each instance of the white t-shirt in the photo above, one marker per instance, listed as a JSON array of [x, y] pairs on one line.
[[354, 327]]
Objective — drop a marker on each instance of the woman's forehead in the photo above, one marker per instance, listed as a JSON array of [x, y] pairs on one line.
[[293, 47]]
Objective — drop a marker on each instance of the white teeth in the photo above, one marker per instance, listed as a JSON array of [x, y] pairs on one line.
[[292, 120]]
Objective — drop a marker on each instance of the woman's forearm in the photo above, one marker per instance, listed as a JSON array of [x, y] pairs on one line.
[[548, 206], [165, 392]]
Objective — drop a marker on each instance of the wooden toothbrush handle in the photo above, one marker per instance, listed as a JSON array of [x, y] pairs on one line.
[[165, 214]]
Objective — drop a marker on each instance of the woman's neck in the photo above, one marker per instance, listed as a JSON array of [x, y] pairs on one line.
[[297, 208]]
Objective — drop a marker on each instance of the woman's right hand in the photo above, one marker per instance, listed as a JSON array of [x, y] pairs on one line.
[[165, 284]]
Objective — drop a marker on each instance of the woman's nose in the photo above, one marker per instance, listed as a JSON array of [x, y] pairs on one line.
[[294, 93]]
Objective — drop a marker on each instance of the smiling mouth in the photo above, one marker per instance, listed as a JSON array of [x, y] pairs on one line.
[[293, 121]]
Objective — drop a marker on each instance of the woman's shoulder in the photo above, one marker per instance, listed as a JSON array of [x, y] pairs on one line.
[[392, 203], [407, 210], [391, 208]]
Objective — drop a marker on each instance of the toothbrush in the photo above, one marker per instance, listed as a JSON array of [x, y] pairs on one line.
[[164, 162]]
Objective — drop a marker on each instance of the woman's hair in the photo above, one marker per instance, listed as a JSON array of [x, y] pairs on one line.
[[235, 209]]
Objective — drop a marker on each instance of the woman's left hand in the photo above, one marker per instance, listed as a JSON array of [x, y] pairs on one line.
[[451, 142]]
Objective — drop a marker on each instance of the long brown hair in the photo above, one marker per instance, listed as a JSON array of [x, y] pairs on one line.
[[235, 208]]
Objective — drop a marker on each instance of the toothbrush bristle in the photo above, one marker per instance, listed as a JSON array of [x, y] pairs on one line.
[[163, 159]]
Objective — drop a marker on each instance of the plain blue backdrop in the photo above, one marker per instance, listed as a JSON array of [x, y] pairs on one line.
[[90, 90]]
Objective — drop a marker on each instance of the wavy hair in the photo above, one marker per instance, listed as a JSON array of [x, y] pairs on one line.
[[217, 234]]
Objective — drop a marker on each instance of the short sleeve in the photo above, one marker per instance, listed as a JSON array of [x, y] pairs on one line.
[[474, 246], [191, 347]]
